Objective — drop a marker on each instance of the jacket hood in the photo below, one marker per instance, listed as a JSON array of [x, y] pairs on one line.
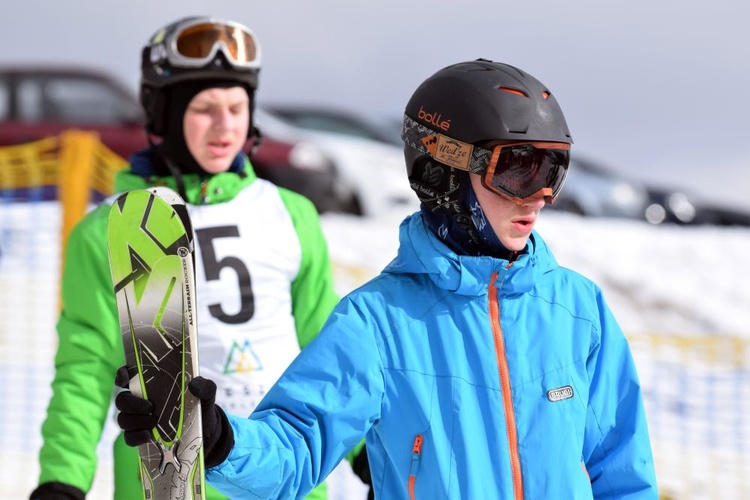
[[421, 252]]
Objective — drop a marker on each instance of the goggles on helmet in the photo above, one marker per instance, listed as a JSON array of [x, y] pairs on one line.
[[196, 43], [520, 171], [525, 171]]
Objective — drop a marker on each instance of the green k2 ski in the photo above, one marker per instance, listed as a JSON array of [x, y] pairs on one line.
[[150, 243]]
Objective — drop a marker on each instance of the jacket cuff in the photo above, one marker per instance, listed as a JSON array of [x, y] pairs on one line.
[[57, 491]]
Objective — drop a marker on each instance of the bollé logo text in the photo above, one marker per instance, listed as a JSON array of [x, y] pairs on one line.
[[434, 118]]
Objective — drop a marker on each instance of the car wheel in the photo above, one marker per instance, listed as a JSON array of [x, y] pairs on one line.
[[351, 206]]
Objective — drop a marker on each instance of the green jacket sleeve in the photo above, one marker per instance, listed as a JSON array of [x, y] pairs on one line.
[[90, 350], [313, 295]]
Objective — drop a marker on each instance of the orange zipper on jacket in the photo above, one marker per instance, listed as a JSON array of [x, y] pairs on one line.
[[416, 452], [502, 367]]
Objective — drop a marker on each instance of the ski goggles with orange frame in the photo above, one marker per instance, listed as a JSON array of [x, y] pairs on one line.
[[519, 171], [196, 43], [524, 171]]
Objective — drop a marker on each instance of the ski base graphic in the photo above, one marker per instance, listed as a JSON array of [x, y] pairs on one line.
[[150, 242]]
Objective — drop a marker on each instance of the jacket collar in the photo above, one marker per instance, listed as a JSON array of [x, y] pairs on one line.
[[200, 189], [421, 252]]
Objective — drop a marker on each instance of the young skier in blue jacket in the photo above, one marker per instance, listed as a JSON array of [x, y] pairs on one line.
[[474, 365]]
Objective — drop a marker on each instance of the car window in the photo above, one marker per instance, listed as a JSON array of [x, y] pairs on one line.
[[70, 100], [330, 125], [30, 101], [4, 99]]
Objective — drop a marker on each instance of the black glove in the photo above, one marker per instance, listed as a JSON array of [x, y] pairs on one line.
[[57, 491], [218, 436], [136, 418]]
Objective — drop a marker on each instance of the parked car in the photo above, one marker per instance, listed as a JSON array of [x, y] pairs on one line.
[[37, 102], [721, 215], [371, 173], [43, 101], [670, 206], [683, 208], [301, 167], [339, 121], [595, 191]]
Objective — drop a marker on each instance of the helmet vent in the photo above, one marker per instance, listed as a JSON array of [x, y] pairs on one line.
[[546, 94], [513, 91]]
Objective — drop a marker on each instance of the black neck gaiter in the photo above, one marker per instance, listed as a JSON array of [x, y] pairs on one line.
[[465, 229]]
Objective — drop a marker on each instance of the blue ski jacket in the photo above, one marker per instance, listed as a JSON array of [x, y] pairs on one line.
[[470, 377]]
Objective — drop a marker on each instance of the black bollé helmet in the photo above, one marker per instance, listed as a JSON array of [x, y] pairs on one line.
[[196, 49], [460, 109]]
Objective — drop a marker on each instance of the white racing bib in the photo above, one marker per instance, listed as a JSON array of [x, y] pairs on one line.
[[247, 254]]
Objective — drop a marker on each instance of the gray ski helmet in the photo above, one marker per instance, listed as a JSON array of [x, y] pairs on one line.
[[472, 104], [196, 48]]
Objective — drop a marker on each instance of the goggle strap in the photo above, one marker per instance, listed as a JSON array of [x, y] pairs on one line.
[[444, 149]]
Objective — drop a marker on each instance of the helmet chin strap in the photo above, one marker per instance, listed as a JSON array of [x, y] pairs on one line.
[[177, 174], [162, 158], [257, 137]]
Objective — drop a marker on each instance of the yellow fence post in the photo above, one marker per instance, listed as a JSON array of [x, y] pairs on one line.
[[77, 150]]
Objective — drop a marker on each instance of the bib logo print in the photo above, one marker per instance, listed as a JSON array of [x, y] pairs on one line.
[[242, 359]]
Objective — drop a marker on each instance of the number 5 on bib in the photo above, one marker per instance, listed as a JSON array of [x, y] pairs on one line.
[[150, 241]]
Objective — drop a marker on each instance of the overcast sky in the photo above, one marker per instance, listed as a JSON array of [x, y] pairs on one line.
[[656, 89]]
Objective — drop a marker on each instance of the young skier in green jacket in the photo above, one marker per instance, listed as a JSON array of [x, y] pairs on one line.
[[263, 277]]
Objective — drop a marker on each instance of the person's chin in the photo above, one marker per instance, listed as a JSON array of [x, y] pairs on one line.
[[216, 166], [515, 244]]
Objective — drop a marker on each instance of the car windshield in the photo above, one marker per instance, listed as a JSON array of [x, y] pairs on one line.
[[70, 100], [339, 122]]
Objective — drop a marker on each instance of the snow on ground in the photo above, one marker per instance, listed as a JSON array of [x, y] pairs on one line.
[[681, 295]]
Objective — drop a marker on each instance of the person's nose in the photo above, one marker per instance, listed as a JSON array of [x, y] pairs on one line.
[[222, 119], [536, 203]]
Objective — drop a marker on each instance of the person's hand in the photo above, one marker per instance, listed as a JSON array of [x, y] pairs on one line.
[[57, 491], [137, 419], [218, 436]]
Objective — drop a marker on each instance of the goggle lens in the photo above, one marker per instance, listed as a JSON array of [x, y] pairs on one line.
[[197, 42], [527, 170]]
